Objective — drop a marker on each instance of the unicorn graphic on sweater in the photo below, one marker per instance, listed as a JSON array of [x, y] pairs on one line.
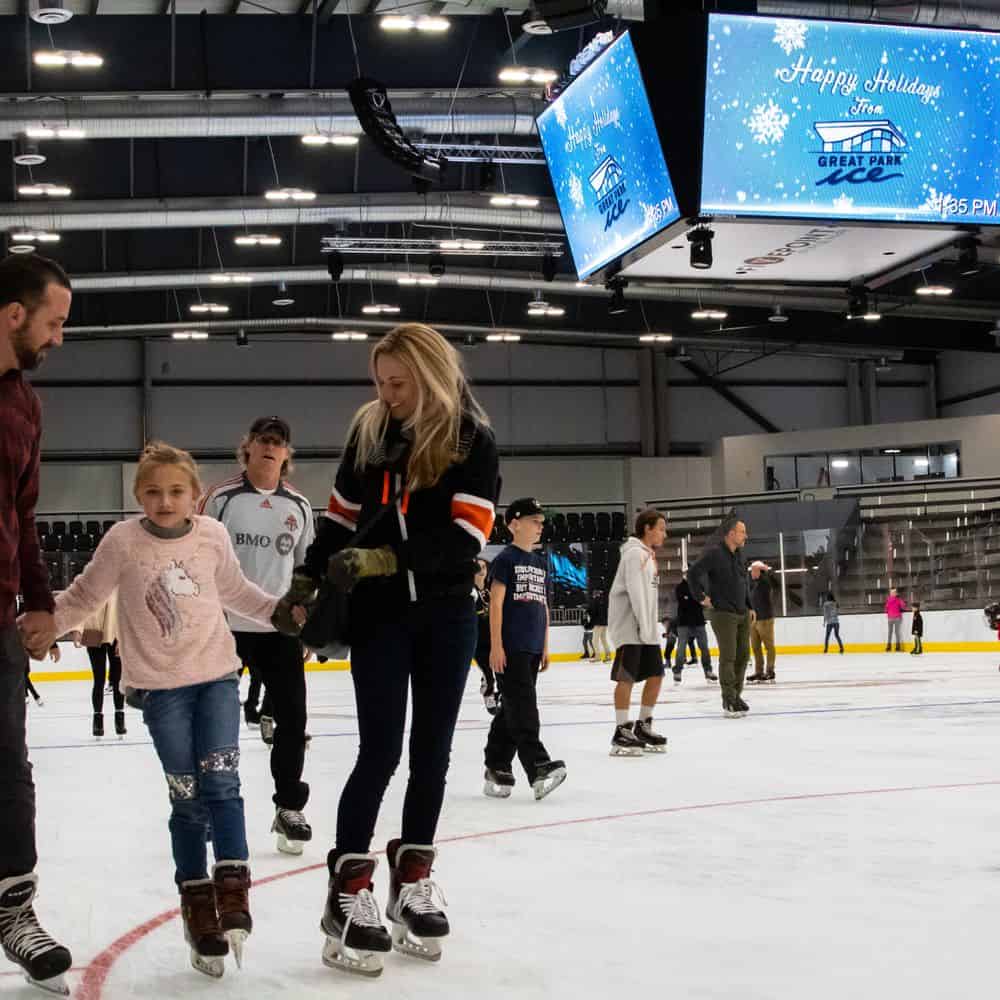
[[173, 581]]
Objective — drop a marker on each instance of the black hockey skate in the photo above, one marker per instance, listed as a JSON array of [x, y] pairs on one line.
[[232, 896], [267, 729], [549, 775], [652, 742], [98, 727], [415, 902], [769, 677], [490, 698], [202, 930], [625, 743], [355, 936], [756, 678], [710, 674], [498, 784], [120, 729], [43, 960], [251, 716], [292, 829], [735, 708]]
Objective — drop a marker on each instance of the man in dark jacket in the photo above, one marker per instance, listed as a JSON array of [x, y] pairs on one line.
[[762, 584], [34, 304], [719, 582], [690, 627]]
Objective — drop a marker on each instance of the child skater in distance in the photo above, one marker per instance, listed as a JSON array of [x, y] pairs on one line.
[[175, 573]]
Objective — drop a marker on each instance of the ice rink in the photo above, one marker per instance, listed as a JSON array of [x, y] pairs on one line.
[[842, 840]]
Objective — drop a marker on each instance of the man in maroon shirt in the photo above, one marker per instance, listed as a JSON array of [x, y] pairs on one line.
[[34, 304]]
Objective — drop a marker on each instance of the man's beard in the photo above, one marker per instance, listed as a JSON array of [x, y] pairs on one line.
[[28, 358]]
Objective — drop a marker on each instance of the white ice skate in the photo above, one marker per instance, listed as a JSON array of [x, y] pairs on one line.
[[498, 784], [548, 777]]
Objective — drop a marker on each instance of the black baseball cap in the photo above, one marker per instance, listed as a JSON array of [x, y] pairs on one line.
[[264, 424], [525, 507]]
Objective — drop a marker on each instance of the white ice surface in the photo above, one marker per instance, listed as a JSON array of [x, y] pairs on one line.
[[841, 841]]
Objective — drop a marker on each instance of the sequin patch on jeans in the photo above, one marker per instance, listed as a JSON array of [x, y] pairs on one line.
[[217, 761], [182, 787]]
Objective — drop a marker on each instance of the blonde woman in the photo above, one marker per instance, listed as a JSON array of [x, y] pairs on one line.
[[423, 453], [99, 634]]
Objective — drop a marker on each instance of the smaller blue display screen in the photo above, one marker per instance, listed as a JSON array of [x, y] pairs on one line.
[[605, 160]]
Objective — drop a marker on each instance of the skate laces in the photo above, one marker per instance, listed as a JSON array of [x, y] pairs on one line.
[[422, 896], [26, 936], [361, 909], [293, 817]]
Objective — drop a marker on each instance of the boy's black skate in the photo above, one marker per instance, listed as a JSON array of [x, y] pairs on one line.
[[415, 902], [351, 921], [292, 829], [202, 930], [549, 775], [98, 728], [625, 743], [43, 960], [120, 729], [497, 784], [652, 742], [232, 896]]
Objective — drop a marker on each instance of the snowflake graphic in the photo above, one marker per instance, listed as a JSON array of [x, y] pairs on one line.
[[937, 202], [790, 35], [768, 124], [843, 202], [576, 192], [560, 112]]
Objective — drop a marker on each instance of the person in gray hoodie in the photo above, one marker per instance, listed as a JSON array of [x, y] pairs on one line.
[[634, 629], [831, 619]]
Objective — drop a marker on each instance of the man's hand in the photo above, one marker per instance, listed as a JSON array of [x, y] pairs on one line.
[[544, 665], [77, 638], [55, 653], [753, 616], [38, 632], [349, 566], [498, 660], [706, 602]]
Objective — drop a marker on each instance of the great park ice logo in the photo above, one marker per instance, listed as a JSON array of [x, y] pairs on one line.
[[608, 185], [860, 152]]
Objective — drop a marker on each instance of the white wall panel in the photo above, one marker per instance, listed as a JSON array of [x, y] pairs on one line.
[[90, 421]]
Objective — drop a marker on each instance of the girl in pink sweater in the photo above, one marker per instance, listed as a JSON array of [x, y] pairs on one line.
[[175, 573]]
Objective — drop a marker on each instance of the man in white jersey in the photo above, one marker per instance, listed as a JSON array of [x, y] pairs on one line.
[[271, 526]]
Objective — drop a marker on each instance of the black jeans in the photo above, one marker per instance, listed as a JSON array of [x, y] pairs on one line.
[[100, 657], [253, 692], [17, 790], [488, 685], [833, 627], [515, 726], [278, 660], [427, 651]]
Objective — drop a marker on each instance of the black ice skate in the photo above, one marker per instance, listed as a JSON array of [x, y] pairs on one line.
[[710, 674], [625, 743], [120, 729], [731, 708], [652, 742], [232, 896], [202, 930], [267, 729], [490, 699], [351, 921], [98, 727], [251, 715], [498, 784], [292, 830], [42, 959], [769, 677], [415, 902], [549, 775], [678, 676], [756, 678], [741, 706]]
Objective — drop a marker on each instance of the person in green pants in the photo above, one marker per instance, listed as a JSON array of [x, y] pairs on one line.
[[719, 581]]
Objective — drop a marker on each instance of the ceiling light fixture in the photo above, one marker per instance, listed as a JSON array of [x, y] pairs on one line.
[[380, 309], [348, 335], [61, 58], [921, 463], [968, 259], [21, 248], [208, 307], [840, 463], [402, 23], [462, 246], [189, 335], [222, 278], [35, 237], [928, 289], [539, 308], [410, 246], [717, 314], [48, 132], [28, 154], [892, 451], [283, 298], [257, 240], [51, 15], [656, 338], [513, 201], [44, 190], [778, 316], [618, 306], [321, 138], [290, 194], [416, 279], [503, 338], [525, 74]]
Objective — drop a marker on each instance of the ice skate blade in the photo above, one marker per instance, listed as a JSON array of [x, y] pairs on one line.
[[496, 791], [287, 846], [429, 949], [545, 786], [626, 752], [55, 985], [648, 749], [208, 965], [237, 939], [359, 963]]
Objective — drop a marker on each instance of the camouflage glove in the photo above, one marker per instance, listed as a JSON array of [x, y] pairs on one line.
[[301, 591], [349, 566]]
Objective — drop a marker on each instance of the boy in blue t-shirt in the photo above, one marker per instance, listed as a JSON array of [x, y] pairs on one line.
[[519, 643]]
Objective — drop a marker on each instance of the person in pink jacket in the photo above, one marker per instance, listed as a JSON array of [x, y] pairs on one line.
[[176, 572], [894, 608]]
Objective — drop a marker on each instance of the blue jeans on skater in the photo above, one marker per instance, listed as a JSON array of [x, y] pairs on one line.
[[832, 627], [195, 730]]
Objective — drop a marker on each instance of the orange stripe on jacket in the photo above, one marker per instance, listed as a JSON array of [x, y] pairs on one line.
[[474, 514]]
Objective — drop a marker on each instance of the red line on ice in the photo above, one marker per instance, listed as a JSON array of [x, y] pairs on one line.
[[96, 973]]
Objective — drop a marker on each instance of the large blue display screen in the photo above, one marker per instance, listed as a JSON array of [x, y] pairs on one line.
[[828, 119], [605, 159]]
